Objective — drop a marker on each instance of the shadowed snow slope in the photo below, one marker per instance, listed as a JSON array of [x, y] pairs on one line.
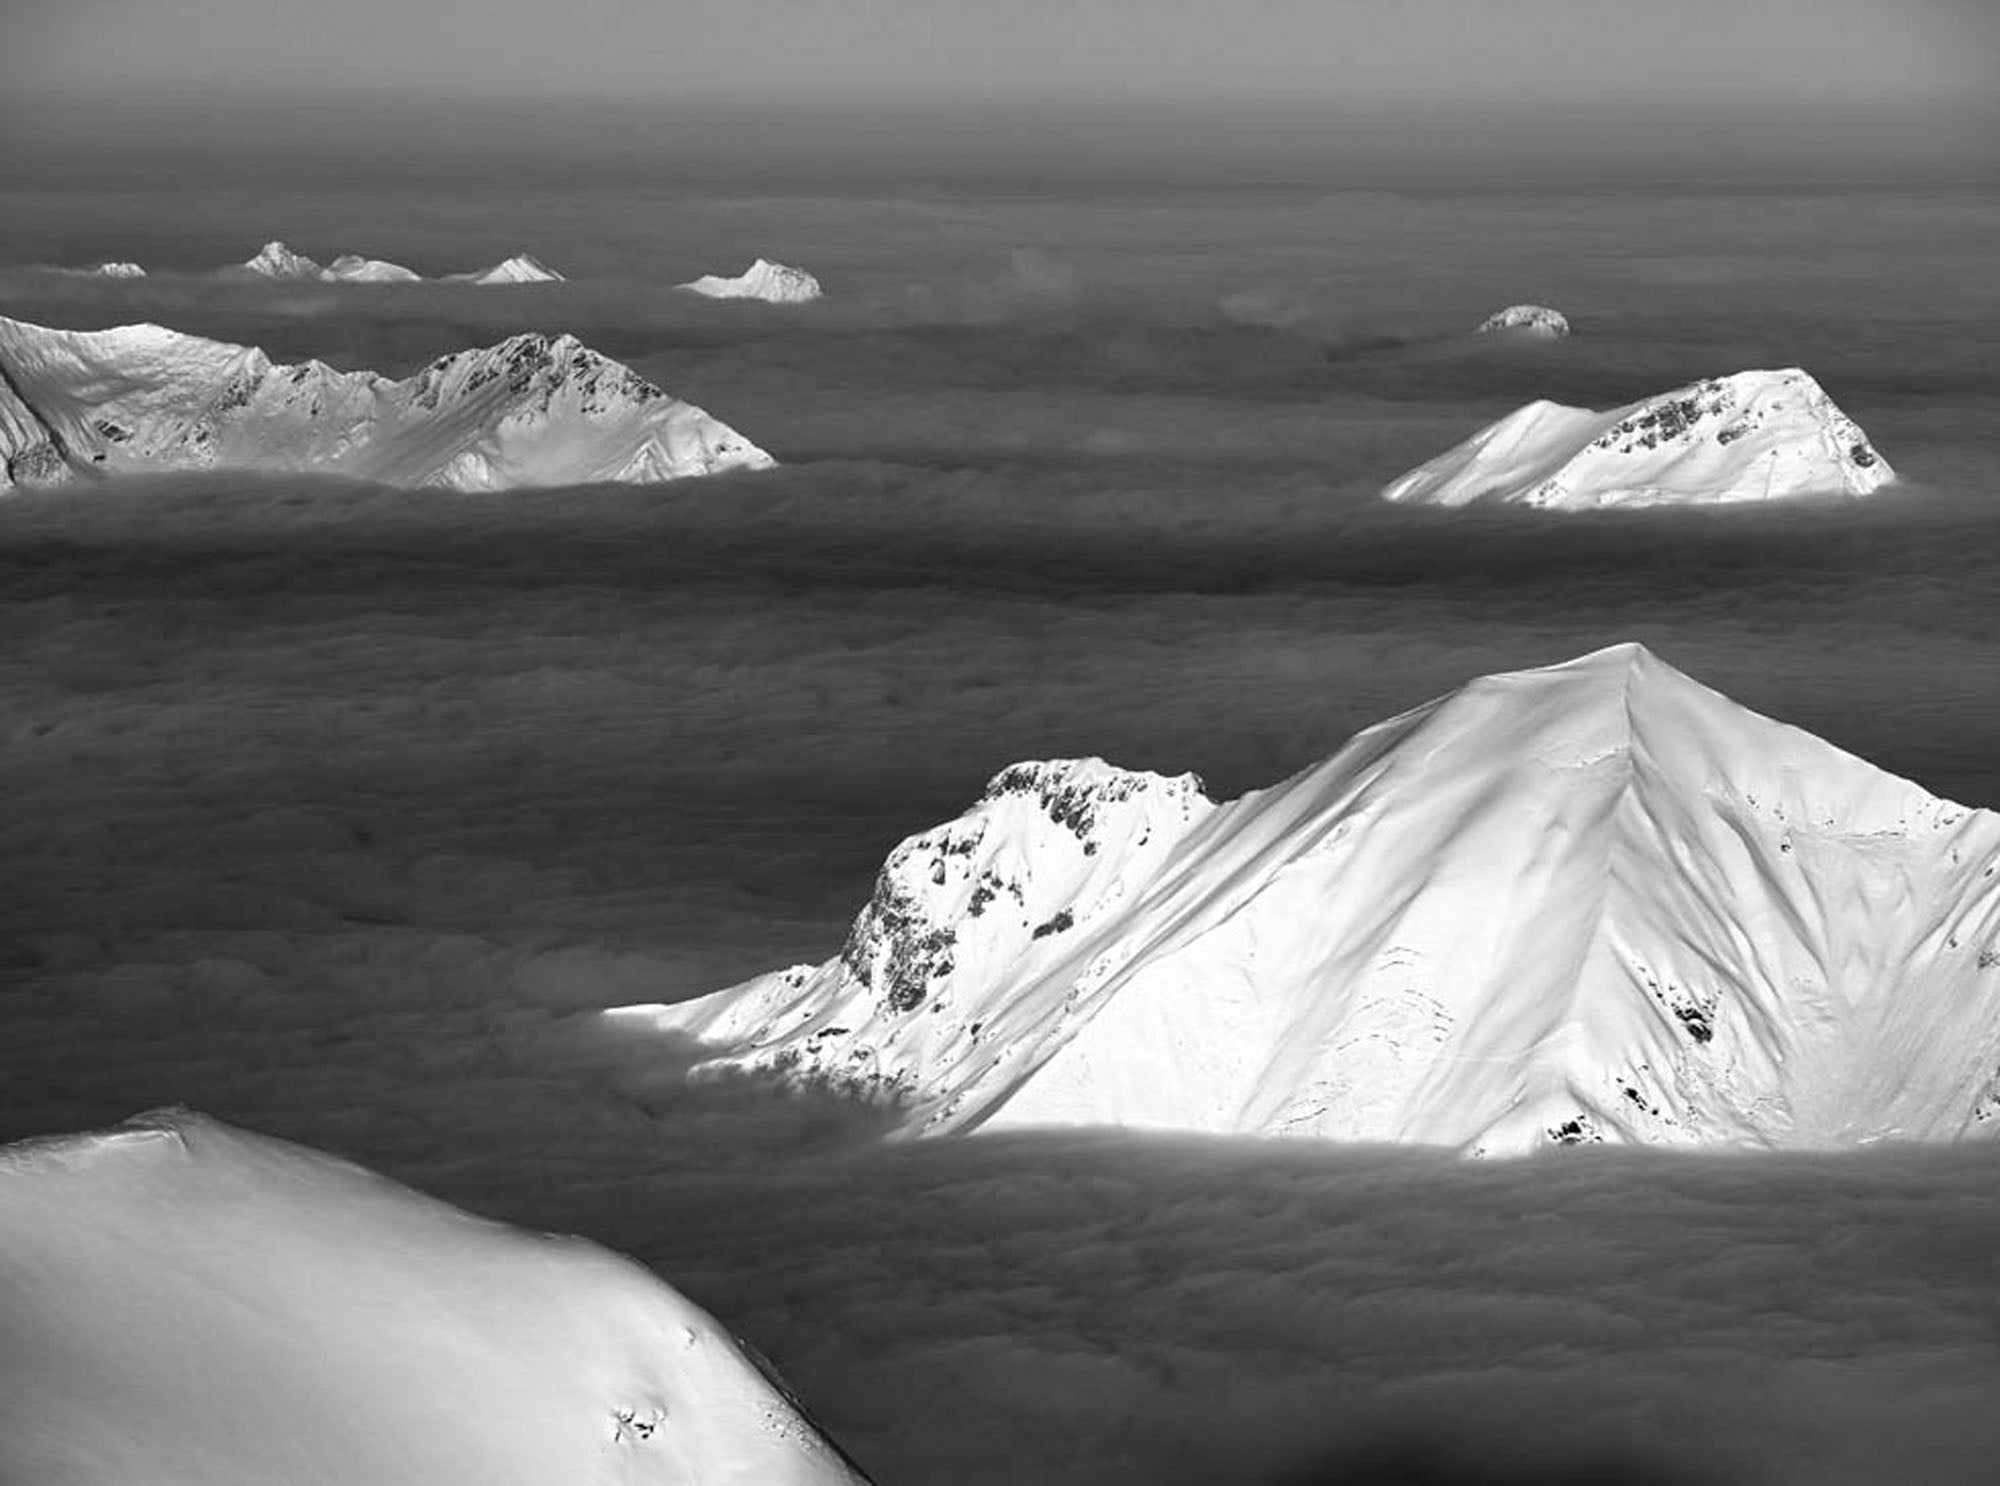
[[533, 410], [1757, 435], [765, 280], [1593, 901], [186, 1304]]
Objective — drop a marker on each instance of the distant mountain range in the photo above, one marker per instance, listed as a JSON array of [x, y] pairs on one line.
[[1592, 902], [532, 410], [276, 261]]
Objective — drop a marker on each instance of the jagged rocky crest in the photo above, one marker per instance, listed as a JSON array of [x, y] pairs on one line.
[[532, 410], [1753, 436], [1594, 902]]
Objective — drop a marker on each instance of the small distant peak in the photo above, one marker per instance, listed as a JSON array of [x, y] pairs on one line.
[[119, 270], [278, 261], [1527, 319]]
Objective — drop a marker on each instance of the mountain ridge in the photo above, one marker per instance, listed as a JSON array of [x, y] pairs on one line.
[[532, 409], [1550, 906]]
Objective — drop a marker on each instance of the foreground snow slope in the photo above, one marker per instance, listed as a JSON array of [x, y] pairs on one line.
[[1594, 901], [533, 410], [184, 1304], [1757, 435], [772, 282]]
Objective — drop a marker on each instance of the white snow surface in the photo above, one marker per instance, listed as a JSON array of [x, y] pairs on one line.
[[532, 410], [187, 1304], [1592, 902], [1526, 319], [119, 270], [772, 282], [520, 269], [1752, 436]]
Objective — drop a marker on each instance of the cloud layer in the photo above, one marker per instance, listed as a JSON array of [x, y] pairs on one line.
[[337, 812]]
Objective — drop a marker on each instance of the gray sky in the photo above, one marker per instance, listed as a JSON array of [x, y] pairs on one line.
[[1608, 54]]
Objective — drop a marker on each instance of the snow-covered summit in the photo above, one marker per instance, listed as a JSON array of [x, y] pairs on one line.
[[352, 268], [1596, 901], [532, 410], [1526, 319], [772, 282], [181, 1301], [1753, 436], [519, 269], [276, 261], [116, 269]]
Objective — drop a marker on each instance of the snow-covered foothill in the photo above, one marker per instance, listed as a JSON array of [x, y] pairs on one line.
[[1752, 436], [1536, 320], [186, 1304], [1592, 902], [532, 410], [773, 283]]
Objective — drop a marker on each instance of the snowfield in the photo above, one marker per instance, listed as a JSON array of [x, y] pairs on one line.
[[186, 1304], [1593, 902]]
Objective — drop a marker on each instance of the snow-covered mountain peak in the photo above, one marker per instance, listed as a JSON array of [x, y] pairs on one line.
[[1595, 900], [272, 1314], [532, 410], [522, 268], [1751, 436], [1526, 319], [116, 269], [276, 261], [774, 283], [352, 268]]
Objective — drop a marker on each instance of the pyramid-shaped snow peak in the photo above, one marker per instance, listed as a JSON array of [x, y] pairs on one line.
[[533, 410], [276, 261], [181, 1301], [520, 269], [1596, 901], [1754, 436], [771, 282]]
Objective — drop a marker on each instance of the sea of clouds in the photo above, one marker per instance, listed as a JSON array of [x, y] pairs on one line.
[[338, 812]]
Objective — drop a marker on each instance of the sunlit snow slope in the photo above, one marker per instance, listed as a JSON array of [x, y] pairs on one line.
[[1594, 901], [533, 410], [765, 280], [185, 1304], [1757, 435]]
